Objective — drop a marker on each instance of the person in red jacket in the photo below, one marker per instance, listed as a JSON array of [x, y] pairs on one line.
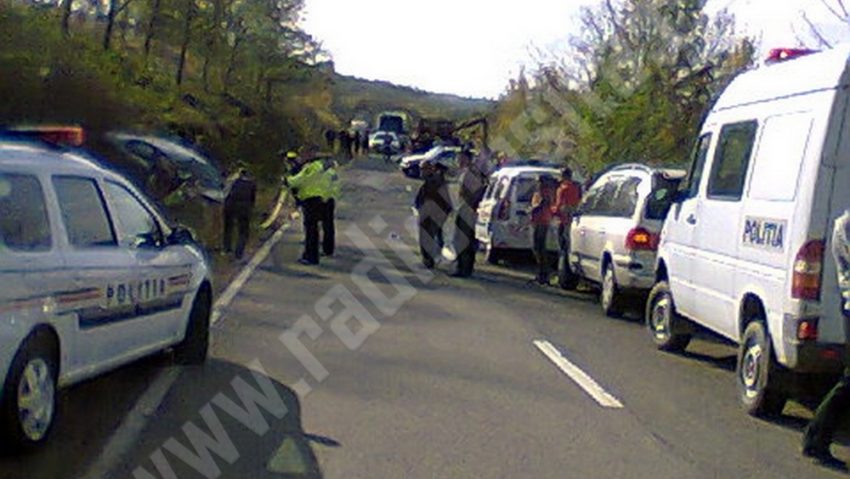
[[567, 198], [541, 220]]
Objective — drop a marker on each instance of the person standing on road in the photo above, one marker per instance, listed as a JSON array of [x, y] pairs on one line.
[[473, 182], [357, 142], [332, 192], [238, 209], [365, 142], [567, 199], [310, 191], [330, 138], [345, 144], [542, 203], [835, 407], [434, 205]]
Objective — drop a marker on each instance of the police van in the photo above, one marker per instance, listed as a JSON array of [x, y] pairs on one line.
[[742, 248], [92, 277]]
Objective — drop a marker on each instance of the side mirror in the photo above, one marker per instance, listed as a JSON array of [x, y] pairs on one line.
[[148, 241], [181, 235]]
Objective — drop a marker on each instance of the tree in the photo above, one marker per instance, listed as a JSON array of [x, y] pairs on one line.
[[189, 12], [634, 85], [115, 9]]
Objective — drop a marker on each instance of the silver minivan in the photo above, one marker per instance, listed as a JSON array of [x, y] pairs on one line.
[[615, 230]]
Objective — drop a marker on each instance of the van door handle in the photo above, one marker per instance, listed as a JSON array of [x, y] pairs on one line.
[[691, 219]]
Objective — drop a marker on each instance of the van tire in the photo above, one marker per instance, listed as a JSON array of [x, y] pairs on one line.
[[758, 374], [193, 349], [610, 297], [663, 322], [37, 355]]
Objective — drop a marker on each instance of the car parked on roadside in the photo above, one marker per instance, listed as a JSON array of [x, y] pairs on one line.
[[504, 215], [446, 155], [93, 277], [380, 140], [742, 249], [615, 231]]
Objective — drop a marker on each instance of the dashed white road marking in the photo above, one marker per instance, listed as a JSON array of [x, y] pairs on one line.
[[590, 386], [127, 433]]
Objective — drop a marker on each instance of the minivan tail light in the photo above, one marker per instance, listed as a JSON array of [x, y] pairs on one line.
[[641, 239], [503, 210], [808, 266]]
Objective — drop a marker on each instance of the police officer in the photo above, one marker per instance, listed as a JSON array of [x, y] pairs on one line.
[[332, 191], [473, 182], [238, 208], [310, 188], [820, 432]]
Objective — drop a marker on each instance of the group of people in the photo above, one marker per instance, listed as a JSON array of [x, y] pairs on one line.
[[350, 144], [554, 202], [435, 206]]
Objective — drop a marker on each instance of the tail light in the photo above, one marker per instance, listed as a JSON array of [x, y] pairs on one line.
[[503, 210], [641, 239], [808, 265]]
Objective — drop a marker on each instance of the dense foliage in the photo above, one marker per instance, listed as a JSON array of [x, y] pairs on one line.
[[634, 85]]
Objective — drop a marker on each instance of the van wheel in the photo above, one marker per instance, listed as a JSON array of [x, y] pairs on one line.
[[758, 374], [567, 279], [610, 297], [193, 349], [29, 406], [663, 321]]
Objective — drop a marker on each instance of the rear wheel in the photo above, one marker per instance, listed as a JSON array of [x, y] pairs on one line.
[[663, 322], [28, 410], [193, 349], [610, 297], [758, 374]]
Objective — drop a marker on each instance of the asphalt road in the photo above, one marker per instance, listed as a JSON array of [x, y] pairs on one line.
[[370, 367]]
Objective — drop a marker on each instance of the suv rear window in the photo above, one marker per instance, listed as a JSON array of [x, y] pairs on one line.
[[525, 188], [83, 212], [23, 214], [661, 197]]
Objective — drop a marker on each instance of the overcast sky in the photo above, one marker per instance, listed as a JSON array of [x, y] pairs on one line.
[[474, 47]]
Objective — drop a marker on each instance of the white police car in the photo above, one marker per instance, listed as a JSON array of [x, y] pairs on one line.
[[92, 278]]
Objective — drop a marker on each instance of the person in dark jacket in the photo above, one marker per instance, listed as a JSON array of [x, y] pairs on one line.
[[345, 144], [238, 208], [836, 406], [356, 141], [473, 182], [434, 205], [330, 138]]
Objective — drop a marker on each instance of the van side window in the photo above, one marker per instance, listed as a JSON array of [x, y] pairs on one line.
[[691, 184], [781, 150], [525, 188], [731, 161], [83, 212], [23, 214]]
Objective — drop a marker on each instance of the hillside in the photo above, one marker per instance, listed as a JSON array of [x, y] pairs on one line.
[[359, 97]]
